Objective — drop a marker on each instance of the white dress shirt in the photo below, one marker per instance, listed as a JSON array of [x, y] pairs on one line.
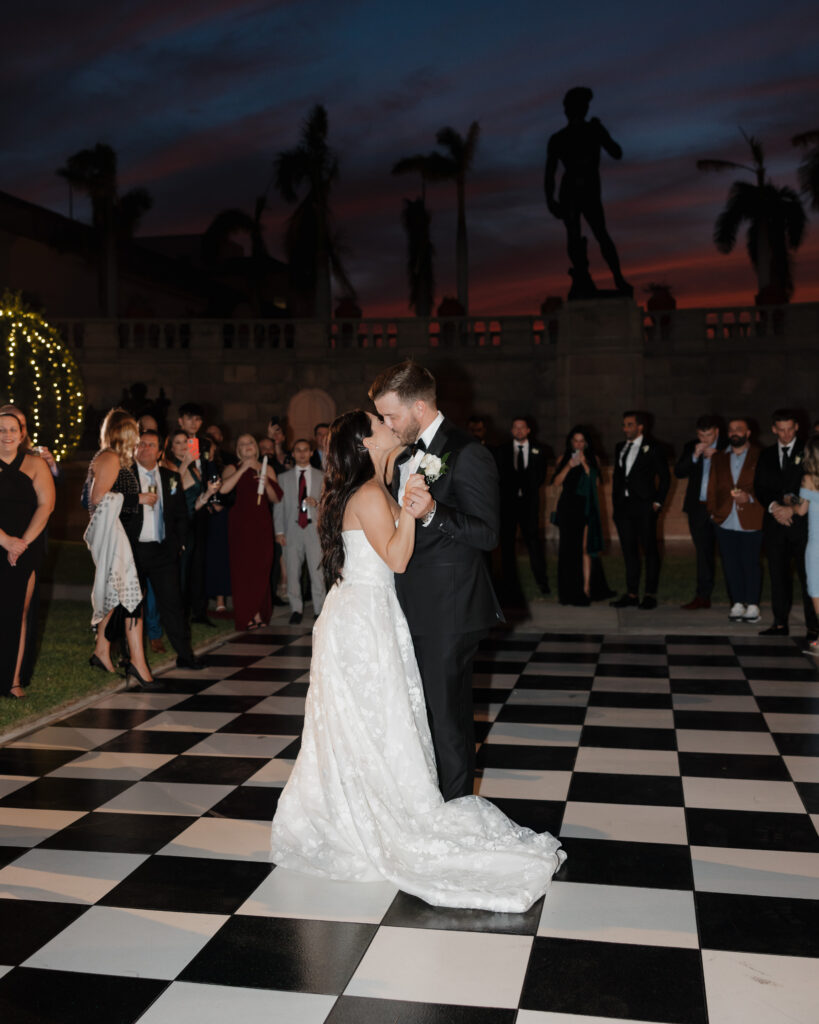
[[152, 519]]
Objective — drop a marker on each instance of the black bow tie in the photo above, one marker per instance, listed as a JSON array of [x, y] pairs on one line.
[[419, 446]]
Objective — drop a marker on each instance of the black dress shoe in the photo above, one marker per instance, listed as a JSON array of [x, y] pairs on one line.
[[279, 602], [545, 588], [193, 663], [295, 618], [626, 601], [203, 620], [133, 680], [648, 603], [774, 631]]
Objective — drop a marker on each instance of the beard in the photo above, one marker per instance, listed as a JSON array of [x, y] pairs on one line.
[[409, 435], [736, 441]]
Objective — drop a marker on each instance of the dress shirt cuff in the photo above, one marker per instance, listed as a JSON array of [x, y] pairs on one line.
[[427, 519]]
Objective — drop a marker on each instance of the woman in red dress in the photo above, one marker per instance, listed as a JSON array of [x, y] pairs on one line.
[[250, 534]]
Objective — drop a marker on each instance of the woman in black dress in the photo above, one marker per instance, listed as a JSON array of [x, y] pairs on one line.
[[580, 576], [26, 502]]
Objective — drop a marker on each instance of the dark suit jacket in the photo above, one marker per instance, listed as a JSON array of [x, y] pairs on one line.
[[721, 483], [686, 469], [174, 510], [532, 480], [446, 587], [315, 461], [649, 478], [771, 483]]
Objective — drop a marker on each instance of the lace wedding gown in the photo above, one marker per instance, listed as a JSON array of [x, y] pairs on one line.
[[362, 802]]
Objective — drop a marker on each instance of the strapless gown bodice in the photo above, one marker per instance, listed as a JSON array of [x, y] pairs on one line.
[[362, 564]]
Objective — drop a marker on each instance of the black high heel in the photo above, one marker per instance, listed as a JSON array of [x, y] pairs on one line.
[[133, 679], [96, 662]]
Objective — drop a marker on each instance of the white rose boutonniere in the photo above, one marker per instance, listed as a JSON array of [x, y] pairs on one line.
[[797, 460], [536, 451], [174, 484], [645, 448], [432, 467]]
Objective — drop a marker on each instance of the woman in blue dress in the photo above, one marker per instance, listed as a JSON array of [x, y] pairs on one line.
[[809, 505]]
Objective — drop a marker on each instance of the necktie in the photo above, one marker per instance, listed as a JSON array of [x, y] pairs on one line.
[[626, 450], [303, 518], [786, 458], [520, 465]]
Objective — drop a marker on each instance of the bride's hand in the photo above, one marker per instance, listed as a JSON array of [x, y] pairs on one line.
[[417, 499]]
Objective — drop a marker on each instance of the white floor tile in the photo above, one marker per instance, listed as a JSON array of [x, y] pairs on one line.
[[223, 839], [619, 913], [705, 672], [629, 822], [188, 721], [547, 698], [535, 734], [742, 795], [128, 942], [275, 773], [631, 718], [502, 655], [545, 1017], [717, 741], [237, 744], [11, 783], [567, 647], [802, 769], [131, 700], [4, 969], [110, 764], [279, 706], [523, 785], [29, 826], [291, 894], [61, 737], [167, 798], [714, 648], [756, 872], [635, 684], [715, 702], [766, 661], [211, 672], [244, 688], [486, 712], [285, 661], [66, 876], [619, 658], [186, 1003], [558, 668], [494, 680], [755, 988], [625, 761], [792, 723], [461, 968], [783, 688]]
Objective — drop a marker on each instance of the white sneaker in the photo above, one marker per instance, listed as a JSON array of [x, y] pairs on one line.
[[737, 612], [752, 613]]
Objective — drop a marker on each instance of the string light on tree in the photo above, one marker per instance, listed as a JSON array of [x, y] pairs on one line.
[[41, 377]]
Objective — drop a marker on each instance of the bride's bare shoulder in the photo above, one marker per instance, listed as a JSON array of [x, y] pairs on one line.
[[368, 499]]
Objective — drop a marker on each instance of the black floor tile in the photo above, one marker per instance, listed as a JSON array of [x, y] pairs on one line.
[[113, 832], [153, 741], [538, 682], [724, 721], [266, 639], [410, 912], [28, 761], [751, 830], [622, 699], [291, 751], [30, 925], [230, 771], [266, 725], [8, 854], [565, 658], [804, 744], [498, 667], [783, 675], [480, 731], [264, 675], [572, 638], [510, 642], [218, 702], [196, 885], [29, 996], [227, 660], [615, 980], [632, 671], [282, 953], [785, 648], [546, 714], [187, 684], [361, 1010], [293, 690], [789, 705], [726, 660], [483, 695], [652, 790], [630, 739], [66, 794], [252, 803], [809, 791], [526, 756], [734, 766], [697, 638], [632, 647], [612, 862], [724, 687], [538, 815], [758, 924]]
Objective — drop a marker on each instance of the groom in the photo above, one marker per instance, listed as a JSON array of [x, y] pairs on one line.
[[446, 593]]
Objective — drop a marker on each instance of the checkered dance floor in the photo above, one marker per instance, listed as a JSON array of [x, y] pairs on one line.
[[682, 774]]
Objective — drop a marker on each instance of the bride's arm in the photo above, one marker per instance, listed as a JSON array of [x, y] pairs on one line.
[[393, 545]]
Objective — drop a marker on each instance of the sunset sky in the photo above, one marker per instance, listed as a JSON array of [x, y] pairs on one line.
[[199, 97]]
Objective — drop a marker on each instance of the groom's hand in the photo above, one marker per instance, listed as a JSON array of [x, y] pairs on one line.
[[417, 499]]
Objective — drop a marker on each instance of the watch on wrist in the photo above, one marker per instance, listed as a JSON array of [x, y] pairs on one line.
[[427, 519]]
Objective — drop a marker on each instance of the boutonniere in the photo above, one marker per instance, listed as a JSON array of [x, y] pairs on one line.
[[174, 484], [797, 460], [645, 448], [536, 451], [432, 467]]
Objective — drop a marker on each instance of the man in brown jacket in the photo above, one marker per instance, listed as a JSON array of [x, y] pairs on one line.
[[738, 517]]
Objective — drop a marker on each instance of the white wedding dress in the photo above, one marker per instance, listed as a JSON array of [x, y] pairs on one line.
[[362, 802]]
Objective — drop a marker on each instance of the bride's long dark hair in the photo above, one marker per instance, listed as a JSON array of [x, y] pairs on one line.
[[348, 467]]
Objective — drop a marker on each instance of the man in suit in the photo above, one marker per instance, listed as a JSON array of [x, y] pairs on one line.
[[640, 486], [295, 519], [321, 438], [694, 465], [157, 538], [191, 417], [522, 472], [776, 485], [445, 592]]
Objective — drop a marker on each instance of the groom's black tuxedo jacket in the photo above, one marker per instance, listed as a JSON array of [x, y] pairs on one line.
[[446, 587]]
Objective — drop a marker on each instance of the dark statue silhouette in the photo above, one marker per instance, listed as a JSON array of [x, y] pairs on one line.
[[577, 147]]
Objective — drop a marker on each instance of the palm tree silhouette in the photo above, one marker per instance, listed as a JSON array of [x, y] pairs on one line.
[[458, 162], [313, 247], [809, 168], [416, 219], [115, 217], [222, 229], [776, 220]]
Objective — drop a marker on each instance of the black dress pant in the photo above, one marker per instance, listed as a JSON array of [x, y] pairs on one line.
[[702, 533], [636, 523], [445, 663], [196, 597], [784, 544], [159, 564], [522, 513]]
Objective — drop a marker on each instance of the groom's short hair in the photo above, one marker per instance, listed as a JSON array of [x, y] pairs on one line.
[[410, 381]]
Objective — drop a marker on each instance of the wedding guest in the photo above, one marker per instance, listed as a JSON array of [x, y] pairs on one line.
[[321, 437], [809, 505], [26, 502], [580, 575], [694, 465], [296, 517], [278, 574], [190, 420], [283, 457], [41, 449]]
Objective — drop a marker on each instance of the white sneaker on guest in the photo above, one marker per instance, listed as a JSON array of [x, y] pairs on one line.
[[737, 612], [752, 613]]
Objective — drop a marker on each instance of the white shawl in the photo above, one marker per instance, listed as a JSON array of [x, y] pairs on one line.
[[116, 580]]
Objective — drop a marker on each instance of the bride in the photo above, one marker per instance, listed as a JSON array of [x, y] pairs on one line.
[[362, 802]]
